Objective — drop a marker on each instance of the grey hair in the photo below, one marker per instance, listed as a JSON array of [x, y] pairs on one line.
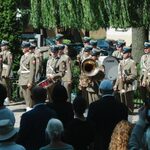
[[54, 127]]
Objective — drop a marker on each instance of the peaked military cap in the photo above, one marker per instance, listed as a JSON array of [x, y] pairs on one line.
[[86, 39], [93, 42], [88, 48], [54, 48], [32, 45], [25, 44], [59, 36], [94, 53], [147, 45], [127, 49], [4, 43], [32, 40], [61, 46], [121, 43]]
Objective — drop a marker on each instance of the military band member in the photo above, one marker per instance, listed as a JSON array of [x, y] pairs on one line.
[[59, 40], [67, 78], [118, 53], [6, 72], [36, 52], [86, 42], [127, 75], [145, 73], [55, 70], [27, 73]]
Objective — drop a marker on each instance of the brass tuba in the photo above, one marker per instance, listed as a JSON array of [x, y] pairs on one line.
[[90, 67]]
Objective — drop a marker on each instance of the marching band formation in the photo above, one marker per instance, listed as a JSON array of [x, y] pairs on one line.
[[120, 68]]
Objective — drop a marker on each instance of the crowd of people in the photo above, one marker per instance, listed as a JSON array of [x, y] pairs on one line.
[[51, 121]]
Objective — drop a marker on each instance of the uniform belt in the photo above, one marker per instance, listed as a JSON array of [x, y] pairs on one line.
[[5, 66], [27, 71]]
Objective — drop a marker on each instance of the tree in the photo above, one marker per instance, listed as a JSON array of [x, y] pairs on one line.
[[9, 26], [92, 14]]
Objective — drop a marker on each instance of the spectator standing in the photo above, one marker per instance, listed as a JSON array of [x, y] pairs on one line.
[[79, 131], [54, 130], [5, 113], [33, 123], [104, 114], [63, 108]]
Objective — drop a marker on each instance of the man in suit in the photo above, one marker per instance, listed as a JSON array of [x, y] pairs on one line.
[[27, 73], [33, 123], [104, 114], [145, 72], [125, 83], [6, 69]]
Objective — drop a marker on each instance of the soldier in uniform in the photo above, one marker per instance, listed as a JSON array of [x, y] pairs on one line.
[[27, 73], [145, 73], [118, 53], [55, 70], [67, 78], [59, 40], [124, 85], [35, 51], [6, 67], [86, 42]]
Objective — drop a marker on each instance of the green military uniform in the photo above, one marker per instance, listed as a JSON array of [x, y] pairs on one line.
[[145, 73], [6, 72], [56, 68], [124, 86], [27, 75]]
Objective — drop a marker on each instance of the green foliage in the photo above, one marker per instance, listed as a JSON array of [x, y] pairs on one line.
[[90, 14], [75, 76]]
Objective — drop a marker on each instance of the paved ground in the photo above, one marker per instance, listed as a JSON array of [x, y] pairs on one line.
[[19, 108]]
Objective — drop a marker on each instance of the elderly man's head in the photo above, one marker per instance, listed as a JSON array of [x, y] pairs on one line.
[[54, 128], [106, 87]]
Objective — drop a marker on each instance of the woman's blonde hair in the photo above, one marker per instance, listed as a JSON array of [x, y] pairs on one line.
[[120, 136]]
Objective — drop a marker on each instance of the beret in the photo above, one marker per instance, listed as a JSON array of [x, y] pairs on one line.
[[61, 46], [121, 43]]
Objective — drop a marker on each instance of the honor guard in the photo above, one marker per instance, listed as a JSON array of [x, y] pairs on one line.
[[145, 72], [6, 67], [86, 42], [127, 74], [118, 53], [38, 56], [59, 40], [27, 73], [55, 70], [67, 78]]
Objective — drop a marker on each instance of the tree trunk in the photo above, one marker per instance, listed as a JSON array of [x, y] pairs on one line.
[[139, 36]]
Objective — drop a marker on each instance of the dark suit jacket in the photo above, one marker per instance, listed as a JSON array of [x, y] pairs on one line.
[[32, 127], [104, 114]]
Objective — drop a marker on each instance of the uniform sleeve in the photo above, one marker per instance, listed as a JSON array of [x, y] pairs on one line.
[[9, 63], [32, 69]]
